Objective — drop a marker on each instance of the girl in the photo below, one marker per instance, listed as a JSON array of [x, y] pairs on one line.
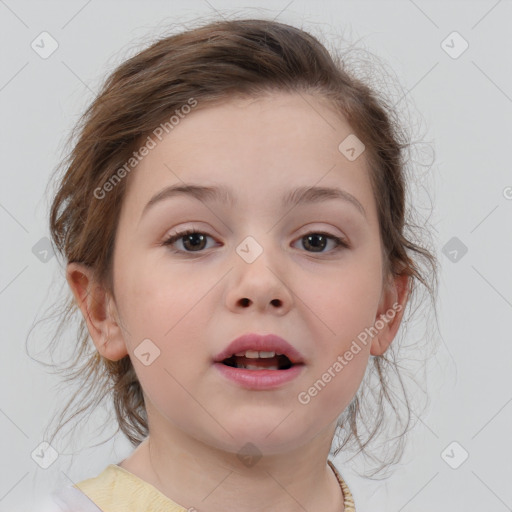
[[232, 216]]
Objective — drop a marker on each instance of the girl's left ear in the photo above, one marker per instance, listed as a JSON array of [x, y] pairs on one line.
[[389, 315]]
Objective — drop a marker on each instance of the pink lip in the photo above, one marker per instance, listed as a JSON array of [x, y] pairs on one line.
[[259, 379], [264, 343]]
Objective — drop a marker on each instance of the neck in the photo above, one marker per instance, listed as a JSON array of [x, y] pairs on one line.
[[197, 475]]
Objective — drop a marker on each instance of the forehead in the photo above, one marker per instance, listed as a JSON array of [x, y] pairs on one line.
[[260, 147]]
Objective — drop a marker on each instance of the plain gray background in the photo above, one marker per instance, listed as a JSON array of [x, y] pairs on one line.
[[465, 104]]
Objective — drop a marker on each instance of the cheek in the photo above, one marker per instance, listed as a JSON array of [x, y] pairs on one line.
[[342, 304], [169, 308], [154, 298], [334, 387]]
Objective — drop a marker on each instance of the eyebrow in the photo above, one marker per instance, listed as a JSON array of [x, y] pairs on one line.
[[300, 195]]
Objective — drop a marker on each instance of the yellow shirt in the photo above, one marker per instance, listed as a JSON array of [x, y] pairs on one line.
[[116, 490]]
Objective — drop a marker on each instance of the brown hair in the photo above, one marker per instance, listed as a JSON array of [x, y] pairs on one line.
[[212, 63]]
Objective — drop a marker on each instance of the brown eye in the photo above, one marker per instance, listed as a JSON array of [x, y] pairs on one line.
[[192, 241], [318, 241], [315, 241]]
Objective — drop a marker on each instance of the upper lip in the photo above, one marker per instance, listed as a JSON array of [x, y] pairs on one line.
[[261, 342]]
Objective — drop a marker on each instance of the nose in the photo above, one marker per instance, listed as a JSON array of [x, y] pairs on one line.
[[259, 285]]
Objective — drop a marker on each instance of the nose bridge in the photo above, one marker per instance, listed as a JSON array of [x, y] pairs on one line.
[[258, 258], [259, 279], [262, 251]]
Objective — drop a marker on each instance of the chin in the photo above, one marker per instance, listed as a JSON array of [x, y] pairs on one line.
[[261, 437]]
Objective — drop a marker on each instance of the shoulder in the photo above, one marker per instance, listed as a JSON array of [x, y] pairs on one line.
[[103, 488], [118, 489]]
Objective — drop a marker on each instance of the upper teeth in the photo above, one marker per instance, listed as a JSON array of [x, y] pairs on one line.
[[255, 354]]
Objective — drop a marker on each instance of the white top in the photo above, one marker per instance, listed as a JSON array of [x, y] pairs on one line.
[[68, 499]]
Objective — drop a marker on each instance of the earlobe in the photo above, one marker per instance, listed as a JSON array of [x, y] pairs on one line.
[[390, 313], [97, 310]]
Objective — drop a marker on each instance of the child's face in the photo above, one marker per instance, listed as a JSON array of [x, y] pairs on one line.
[[190, 305]]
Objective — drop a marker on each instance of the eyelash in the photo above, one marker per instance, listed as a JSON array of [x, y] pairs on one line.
[[340, 243]]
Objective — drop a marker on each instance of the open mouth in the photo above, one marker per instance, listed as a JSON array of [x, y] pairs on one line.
[[259, 361]]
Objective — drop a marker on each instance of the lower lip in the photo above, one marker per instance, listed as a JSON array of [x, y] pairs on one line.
[[259, 379]]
